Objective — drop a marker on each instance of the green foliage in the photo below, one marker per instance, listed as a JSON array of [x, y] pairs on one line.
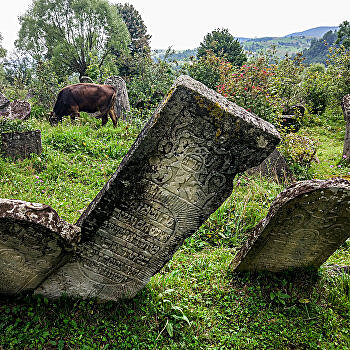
[[318, 50], [2, 50], [15, 125], [150, 83], [138, 31], [288, 75], [338, 72], [45, 85], [299, 149], [315, 89], [224, 45], [344, 34], [66, 32], [205, 69], [252, 87]]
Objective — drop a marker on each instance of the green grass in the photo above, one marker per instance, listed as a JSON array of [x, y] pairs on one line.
[[196, 301]]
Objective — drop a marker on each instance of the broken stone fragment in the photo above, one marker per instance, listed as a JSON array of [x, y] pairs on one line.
[[34, 242], [306, 223]]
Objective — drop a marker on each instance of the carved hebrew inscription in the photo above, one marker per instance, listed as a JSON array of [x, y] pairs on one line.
[[306, 224], [178, 172]]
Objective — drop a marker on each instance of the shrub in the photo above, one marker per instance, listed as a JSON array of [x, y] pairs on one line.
[[315, 90], [251, 87]]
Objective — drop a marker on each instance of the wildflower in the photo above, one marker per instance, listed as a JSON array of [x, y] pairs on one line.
[[344, 156], [331, 166]]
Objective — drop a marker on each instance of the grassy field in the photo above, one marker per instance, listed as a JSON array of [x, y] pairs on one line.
[[195, 302]]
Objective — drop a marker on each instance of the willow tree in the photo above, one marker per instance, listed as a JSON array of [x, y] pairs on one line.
[[73, 33]]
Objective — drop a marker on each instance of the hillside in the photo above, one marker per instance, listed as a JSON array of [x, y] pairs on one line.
[[317, 32], [285, 45]]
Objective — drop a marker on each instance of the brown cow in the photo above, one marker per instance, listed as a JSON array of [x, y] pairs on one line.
[[85, 97]]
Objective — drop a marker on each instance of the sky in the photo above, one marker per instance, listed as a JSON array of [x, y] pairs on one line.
[[183, 24]]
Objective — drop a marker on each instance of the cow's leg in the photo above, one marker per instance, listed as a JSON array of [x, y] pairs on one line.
[[113, 117], [74, 113]]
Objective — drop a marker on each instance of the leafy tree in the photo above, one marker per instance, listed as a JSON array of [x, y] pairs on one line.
[[223, 45], [68, 31], [318, 50], [137, 29], [344, 34], [2, 50]]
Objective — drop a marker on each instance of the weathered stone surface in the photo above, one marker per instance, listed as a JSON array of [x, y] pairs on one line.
[[4, 101], [5, 108], [33, 242], [21, 144], [122, 105], [346, 111], [306, 223], [178, 171], [20, 109], [275, 167]]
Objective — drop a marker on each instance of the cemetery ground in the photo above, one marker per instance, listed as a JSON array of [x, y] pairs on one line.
[[195, 302]]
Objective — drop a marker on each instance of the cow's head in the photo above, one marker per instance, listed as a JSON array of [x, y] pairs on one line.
[[53, 118]]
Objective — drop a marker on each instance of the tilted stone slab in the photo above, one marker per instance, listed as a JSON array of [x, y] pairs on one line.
[[122, 105], [346, 111], [33, 242], [4, 101], [20, 109], [306, 223], [179, 170]]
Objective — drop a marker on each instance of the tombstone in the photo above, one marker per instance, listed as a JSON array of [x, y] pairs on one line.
[[21, 144], [122, 105], [306, 223], [86, 79], [33, 242], [275, 167], [179, 171], [5, 109], [291, 118], [20, 109], [346, 111]]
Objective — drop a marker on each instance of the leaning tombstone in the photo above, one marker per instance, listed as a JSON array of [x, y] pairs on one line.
[[122, 105], [275, 167], [34, 241], [306, 223], [5, 109], [346, 111], [179, 171], [21, 144], [20, 109]]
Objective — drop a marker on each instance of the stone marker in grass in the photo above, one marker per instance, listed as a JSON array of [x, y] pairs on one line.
[[346, 111], [33, 242], [179, 170], [306, 223]]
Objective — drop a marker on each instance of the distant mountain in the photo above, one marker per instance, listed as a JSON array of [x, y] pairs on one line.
[[317, 32]]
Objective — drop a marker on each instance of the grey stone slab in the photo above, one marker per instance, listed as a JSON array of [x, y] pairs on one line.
[[122, 105], [274, 167], [4, 101], [33, 242], [179, 170], [346, 111], [21, 144], [20, 109], [306, 223]]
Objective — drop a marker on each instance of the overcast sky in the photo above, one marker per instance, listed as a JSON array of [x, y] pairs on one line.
[[183, 24]]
